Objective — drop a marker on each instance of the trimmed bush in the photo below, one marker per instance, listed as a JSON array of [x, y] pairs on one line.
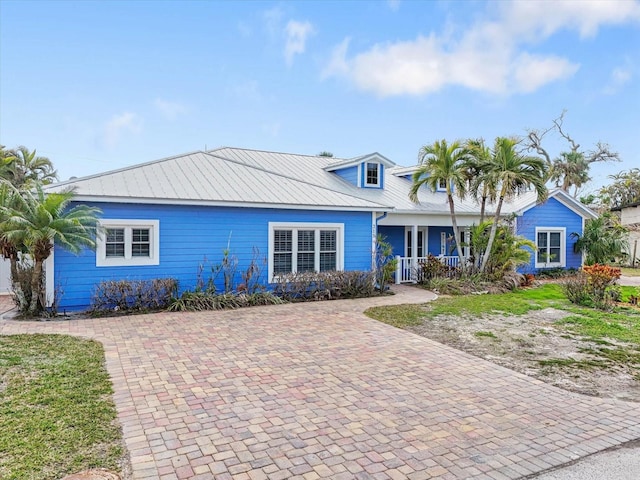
[[133, 295]]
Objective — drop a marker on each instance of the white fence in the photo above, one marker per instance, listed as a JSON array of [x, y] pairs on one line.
[[406, 269]]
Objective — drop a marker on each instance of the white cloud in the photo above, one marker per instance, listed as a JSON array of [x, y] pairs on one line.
[[118, 125], [296, 38], [620, 76], [169, 110], [488, 56], [273, 21]]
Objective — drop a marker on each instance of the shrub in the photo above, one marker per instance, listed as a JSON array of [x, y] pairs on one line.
[[304, 286], [577, 291], [200, 301], [133, 295], [430, 268], [557, 272]]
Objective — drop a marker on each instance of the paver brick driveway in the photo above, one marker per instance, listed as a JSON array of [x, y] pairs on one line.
[[318, 390]]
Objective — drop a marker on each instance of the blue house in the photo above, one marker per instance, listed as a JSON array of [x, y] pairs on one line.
[[169, 217]]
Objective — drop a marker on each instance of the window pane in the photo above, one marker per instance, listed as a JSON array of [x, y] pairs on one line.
[[542, 255], [140, 250], [114, 245], [281, 263], [327, 240], [442, 183], [554, 241], [327, 261], [372, 173], [554, 255], [282, 240], [306, 241], [115, 249], [140, 234], [306, 262], [542, 239], [115, 235]]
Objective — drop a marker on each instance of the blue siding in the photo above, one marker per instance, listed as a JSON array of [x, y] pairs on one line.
[[188, 234], [395, 236], [552, 213], [350, 174]]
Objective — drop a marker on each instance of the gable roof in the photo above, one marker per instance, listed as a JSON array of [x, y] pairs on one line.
[[205, 178], [529, 200], [350, 162]]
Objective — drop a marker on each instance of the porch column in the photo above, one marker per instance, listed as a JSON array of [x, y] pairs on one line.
[[414, 250]]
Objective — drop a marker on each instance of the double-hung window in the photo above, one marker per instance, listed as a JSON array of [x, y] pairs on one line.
[[128, 242], [372, 174], [550, 247], [305, 247]]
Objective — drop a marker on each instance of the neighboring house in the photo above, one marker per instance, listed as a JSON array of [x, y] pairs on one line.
[[630, 218], [171, 217]]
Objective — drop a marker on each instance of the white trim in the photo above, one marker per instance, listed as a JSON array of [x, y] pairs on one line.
[[378, 176], [373, 157], [295, 226], [566, 200], [49, 279], [441, 189], [425, 241], [128, 260], [359, 174], [213, 203], [374, 239], [563, 247], [443, 243]]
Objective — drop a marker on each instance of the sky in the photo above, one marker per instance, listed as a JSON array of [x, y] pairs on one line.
[[99, 85]]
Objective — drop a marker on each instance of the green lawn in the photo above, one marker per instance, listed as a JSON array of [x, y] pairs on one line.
[[617, 332], [630, 272], [56, 412]]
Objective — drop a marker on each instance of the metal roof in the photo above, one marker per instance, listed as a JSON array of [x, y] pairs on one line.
[[244, 177]]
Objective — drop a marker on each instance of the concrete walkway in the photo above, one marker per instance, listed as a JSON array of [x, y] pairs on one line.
[[318, 390]]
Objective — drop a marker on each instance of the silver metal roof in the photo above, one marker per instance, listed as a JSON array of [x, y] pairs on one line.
[[243, 177]]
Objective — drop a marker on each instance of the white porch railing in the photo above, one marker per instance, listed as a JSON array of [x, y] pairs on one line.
[[406, 269]]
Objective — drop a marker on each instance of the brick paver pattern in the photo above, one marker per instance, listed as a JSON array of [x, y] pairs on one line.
[[318, 390]]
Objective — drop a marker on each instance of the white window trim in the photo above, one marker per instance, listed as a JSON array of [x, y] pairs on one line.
[[295, 226], [563, 248], [443, 243], [128, 261], [366, 182], [425, 240], [441, 189]]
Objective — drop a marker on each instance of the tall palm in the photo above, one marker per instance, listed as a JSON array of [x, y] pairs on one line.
[[10, 200], [571, 169], [443, 163], [42, 220], [26, 168], [512, 173], [480, 185]]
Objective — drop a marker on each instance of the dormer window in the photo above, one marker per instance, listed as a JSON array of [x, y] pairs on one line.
[[372, 178], [442, 185]]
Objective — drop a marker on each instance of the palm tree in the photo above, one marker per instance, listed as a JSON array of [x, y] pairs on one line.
[[37, 221], [480, 185], [441, 163], [603, 239], [24, 168], [571, 169], [512, 173]]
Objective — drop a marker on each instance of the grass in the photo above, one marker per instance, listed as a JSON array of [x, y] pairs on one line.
[[630, 272], [56, 413], [485, 334], [514, 303], [606, 329]]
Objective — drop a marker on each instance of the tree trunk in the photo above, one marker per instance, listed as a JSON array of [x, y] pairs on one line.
[[36, 286], [492, 235], [456, 234], [483, 206]]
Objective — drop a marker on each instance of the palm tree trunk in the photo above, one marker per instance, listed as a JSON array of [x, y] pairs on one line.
[[492, 235], [36, 286], [483, 206], [456, 234]]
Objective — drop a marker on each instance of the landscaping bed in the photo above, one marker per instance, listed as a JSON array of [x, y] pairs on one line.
[[536, 332]]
